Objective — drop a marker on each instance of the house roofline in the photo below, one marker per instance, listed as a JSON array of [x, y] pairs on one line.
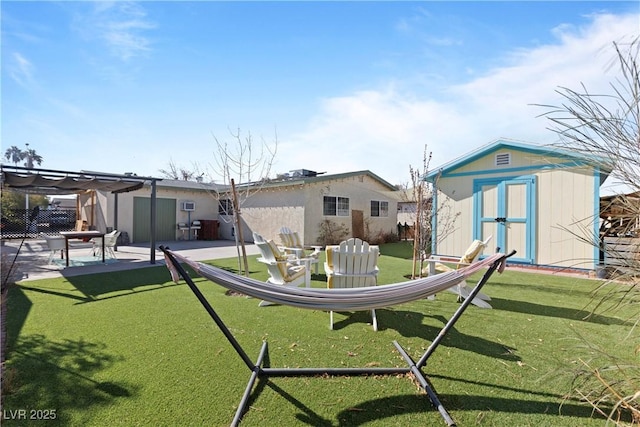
[[301, 180]]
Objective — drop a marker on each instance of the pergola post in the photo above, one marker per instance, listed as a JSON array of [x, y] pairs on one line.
[[152, 255]]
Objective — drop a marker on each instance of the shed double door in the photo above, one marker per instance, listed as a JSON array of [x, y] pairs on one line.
[[504, 208]]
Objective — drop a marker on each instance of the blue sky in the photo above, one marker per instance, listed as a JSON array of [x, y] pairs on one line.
[[132, 86]]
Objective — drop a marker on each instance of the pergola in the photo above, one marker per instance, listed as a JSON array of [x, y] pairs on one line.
[[48, 181]]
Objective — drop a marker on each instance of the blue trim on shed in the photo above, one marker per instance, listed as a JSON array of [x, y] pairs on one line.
[[574, 157], [529, 220], [596, 217], [516, 169], [563, 158]]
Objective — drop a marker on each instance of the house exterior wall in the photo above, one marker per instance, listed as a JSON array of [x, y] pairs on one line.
[[104, 215], [297, 205], [267, 210], [300, 208], [360, 190], [564, 206]]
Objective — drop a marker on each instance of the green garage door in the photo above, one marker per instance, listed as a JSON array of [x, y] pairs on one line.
[[165, 219]]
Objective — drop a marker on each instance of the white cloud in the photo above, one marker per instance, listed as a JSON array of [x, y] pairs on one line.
[[121, 26], [21, 70], [385, 130]]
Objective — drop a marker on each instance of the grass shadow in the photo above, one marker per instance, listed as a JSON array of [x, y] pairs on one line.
[[388, 407], [410, 324], [18, 307], [95, 285], [57, 375], [308, 416], [537, 281], [526, 307], [104, 286]]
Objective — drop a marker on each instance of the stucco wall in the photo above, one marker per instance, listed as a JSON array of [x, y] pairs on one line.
[[298, 206], [206, 207], [301, 207]]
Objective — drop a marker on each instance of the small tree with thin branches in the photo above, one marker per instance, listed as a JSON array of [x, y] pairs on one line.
[[242, 161], [422, 194], [180, 173]]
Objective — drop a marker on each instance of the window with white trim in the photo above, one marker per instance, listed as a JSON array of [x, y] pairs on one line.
[[225, 207], [335, 206], [379, 208]]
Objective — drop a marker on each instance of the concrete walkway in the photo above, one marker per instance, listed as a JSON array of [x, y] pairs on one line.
[[32, 260]]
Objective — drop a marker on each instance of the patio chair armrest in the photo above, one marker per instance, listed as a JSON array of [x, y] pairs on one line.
[[288, 263], [443, 258], [316, 251], [369, 274], [435, 259], [291, 250], [264, 261], [328, 269]]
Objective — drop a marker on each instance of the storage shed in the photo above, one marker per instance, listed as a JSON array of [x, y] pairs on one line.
[[541, 201]]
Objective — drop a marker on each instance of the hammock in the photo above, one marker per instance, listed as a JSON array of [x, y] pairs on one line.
[[335, 299], [341, 299]]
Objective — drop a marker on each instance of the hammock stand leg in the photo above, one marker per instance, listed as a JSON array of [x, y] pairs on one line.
[[416, 368], [258, 371]]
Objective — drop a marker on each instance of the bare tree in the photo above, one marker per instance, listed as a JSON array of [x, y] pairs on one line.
[[181, 173], [422, 195], [242, 161], [607, 127]]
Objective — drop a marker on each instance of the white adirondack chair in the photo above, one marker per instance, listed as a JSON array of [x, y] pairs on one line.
[[292, 244], [471, 255], [352, 264], [282, 271]]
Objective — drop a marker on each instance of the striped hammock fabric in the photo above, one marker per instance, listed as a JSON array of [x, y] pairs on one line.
[[344, 299]]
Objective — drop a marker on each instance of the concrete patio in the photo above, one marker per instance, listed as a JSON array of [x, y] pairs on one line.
[[32, 260]]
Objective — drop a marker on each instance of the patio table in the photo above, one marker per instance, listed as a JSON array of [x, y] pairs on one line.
[[80, 235]]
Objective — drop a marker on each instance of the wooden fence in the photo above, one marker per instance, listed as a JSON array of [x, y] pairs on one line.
[[623, 254]]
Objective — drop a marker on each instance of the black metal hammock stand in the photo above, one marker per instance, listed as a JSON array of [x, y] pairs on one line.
[[338, 300]]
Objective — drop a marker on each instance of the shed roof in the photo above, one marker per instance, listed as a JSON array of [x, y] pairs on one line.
[[604, 165]]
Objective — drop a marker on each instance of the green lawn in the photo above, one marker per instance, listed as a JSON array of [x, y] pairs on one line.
[[132, 348]]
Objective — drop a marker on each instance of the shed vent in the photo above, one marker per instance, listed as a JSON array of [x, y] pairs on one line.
[[503, 159]]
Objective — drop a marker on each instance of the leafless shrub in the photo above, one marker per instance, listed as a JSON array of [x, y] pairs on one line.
[[606, 126], [422, 195], [331, 233], [383, 237]]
